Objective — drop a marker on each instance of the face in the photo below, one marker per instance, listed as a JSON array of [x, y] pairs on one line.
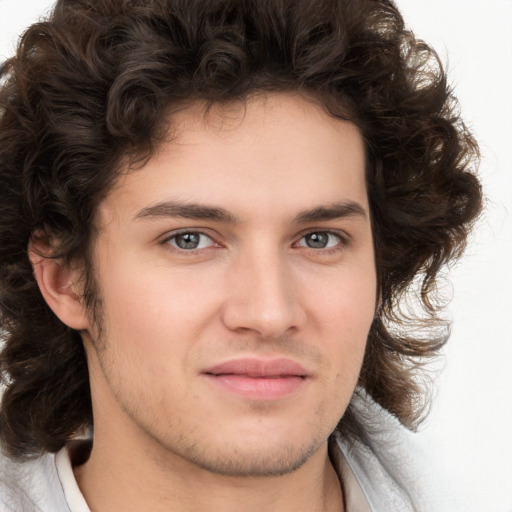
[[237, 280]]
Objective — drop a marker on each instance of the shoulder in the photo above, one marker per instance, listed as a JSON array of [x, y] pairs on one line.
[[31, 486], [390, 463]]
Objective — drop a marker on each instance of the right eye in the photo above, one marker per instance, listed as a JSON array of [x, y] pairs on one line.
[[190, 240]]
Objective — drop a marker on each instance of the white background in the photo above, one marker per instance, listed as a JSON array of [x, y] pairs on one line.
[[469, 429]]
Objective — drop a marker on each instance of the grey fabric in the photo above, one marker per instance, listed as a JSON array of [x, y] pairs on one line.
[[32, 486], [392, 468]]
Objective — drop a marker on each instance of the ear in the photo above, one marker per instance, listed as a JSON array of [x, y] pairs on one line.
[[58, 284]]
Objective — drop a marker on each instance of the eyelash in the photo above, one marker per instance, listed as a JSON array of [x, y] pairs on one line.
[[167, 240], [343, 241]]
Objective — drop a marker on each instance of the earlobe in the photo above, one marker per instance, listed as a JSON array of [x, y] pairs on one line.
[[57, 283]]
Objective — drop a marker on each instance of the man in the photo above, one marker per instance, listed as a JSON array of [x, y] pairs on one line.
[[210, 214]]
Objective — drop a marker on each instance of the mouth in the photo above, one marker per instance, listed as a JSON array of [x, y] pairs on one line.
[[258, 379]]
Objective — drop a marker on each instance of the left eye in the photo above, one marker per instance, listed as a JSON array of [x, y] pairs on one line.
[[190, 240], [319, 240]]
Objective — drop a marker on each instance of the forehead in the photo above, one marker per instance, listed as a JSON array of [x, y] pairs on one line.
[[258, 123], [280, 151]]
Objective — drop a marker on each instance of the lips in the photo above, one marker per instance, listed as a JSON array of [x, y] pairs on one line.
[[258, 379], [258, 368]]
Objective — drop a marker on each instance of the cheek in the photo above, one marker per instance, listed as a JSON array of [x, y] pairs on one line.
[[347, 300], [154, 308], [345, 313]]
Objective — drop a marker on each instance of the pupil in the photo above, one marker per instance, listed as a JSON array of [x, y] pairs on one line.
[[187, 240], [317, 240]]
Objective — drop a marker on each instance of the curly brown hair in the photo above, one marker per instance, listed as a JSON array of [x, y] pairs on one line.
[[89, 88]]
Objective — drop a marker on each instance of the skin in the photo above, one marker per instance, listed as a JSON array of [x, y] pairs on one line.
[[259, 285]]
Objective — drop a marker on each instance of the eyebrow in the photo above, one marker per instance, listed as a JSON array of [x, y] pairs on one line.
[[212, 213], [187, 211], [331, 212]]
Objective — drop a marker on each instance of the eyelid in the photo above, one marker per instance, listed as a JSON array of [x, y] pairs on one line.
[[164, 240], [344, 238], [332, 231]]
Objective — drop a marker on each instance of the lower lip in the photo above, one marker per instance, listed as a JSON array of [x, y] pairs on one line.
[[259, 388]]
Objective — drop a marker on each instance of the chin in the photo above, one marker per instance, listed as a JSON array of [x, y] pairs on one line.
[[250, 461]]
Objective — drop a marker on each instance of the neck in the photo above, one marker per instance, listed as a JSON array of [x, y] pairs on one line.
[[163, 482]]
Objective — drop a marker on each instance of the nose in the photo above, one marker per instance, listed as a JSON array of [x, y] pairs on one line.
[[262, 297]]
